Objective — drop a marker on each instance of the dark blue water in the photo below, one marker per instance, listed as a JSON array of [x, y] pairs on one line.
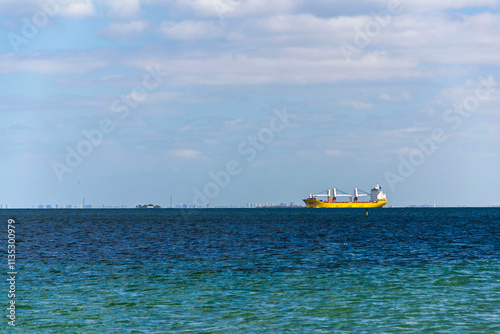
[[255, 270]]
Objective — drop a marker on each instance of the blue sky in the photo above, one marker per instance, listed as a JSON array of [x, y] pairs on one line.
[[250, 101]]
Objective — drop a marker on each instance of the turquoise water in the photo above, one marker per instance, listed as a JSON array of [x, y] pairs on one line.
[[256, 271]]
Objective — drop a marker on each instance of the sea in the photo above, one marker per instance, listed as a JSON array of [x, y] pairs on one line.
[[269, 270]]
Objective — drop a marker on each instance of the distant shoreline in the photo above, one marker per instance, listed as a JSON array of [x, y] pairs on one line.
[[263, 207]]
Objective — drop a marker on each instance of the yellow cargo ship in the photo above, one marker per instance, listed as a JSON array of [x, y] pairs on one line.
[[377, 199]]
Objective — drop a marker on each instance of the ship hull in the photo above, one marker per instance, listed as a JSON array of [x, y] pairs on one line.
[[315, 203]]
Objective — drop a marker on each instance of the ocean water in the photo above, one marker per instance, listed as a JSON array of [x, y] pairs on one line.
[[254, 271]]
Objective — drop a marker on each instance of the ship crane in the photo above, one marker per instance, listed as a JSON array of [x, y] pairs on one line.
[[342, 194], [322, 195], [329, 195], [357, 194]]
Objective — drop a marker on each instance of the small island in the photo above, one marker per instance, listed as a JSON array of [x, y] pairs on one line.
[[147, 206]]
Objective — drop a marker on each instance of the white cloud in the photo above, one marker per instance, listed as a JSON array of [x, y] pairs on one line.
[[432, 5], [486, 87], [386, 97], [243, 69], [443, 39], [189, 30], [411, 130], [189, 128], [282, 46], [407, 151], [126, 30], [416, 129], [78, 8], [483, 90], [162, 97], [18, 7], [211, 7], [124, 8], [356, 105], [303, 48], [37, 63], [186, 154], [240, 8], [333, 153], [427, 110], [263, 8], [236, 125], [297, 30], [73, 8]]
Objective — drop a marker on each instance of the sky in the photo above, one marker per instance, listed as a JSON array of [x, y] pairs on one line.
[[229, 102]]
